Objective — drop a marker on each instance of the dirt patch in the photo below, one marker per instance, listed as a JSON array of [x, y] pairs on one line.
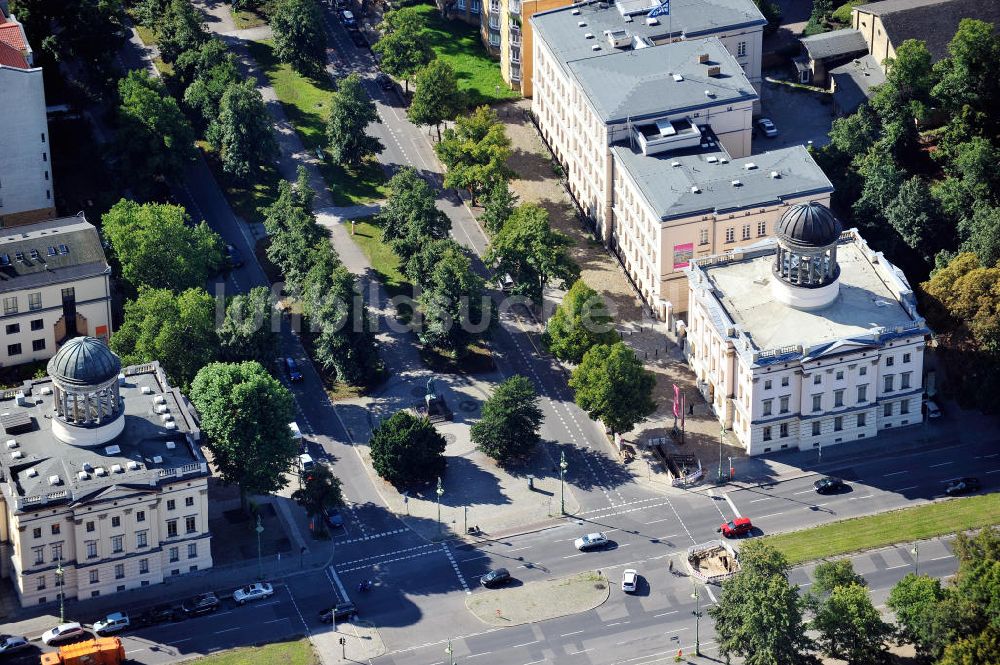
[[539, 601]]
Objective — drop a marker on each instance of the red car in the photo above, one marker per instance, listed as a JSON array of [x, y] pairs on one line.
[[737, 527]]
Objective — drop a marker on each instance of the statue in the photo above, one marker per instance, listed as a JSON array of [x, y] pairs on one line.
[[430, 386]]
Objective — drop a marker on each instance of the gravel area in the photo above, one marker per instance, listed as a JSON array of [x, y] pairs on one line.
[[539, 601]]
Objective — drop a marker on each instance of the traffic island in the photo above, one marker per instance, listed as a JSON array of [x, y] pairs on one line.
[[540, 601]]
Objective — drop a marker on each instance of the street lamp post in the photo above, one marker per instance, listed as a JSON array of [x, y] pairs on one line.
[[697, 621], [62, 590], [722, 433], [916, 558], [451, 653], [563, 465], [260, 561], [440, 492]]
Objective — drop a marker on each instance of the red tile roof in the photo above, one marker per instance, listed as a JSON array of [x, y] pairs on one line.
[[11, 33], [11, 57]]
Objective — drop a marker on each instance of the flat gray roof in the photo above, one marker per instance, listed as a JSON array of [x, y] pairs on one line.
[[691, 18], [143, 444], [665, 179], [866, 302], [50, 252], [835, 43], [640, 83]]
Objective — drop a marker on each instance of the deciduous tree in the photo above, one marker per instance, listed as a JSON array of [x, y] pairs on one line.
[[580, 322], [507, 431], [407, 449], [917, 601], [403, 48], [499, 204], [248, 330], [410, 217], [612, 386], [294, 232], [299, 39], [320, 491], [475, 151], [245, 414], [243, 133], [451, 302], [850, 628], [179, 29], [437, 97], [351, 111]]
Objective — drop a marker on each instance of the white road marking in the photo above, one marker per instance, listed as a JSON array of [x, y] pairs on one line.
[[730, 502], [804, 491], [762, 499], [665, 519], [939, 558], [227, 630], [523, 644], [570, 556], [454, 564], [994, 471], [911, 487], [760, 517], [894, 473], [575, 632], [711, 595], [657, 616], [934, 466], [902, 565]]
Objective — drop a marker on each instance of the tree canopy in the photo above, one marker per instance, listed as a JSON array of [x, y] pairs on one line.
[[452, 302], [243, 133], [158, 249], [245, 414], [499, 204], [475, 152], [612, 386], [248, 331], [407, 449], [403, 48], [299, 39], [351, 111], [410, 217], [320, 491], [580, 322], [437, 97], [507, 430]]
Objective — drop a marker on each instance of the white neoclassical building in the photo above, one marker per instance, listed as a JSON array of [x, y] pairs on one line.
[[807, 339], [104, 486]]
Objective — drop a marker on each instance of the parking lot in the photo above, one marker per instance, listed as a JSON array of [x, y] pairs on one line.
[[800, 115]]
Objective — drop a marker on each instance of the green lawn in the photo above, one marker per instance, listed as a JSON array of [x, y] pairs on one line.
[[306, 102], [384, 261], [298, 652], [898, 526], [245, 20], [460, 46]]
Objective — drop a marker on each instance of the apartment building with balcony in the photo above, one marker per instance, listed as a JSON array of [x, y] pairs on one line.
[[104, 485], [55, 284], [26, 193], [469, 11], [806, 340], [507, 34]]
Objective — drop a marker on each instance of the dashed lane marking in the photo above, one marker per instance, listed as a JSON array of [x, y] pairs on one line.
[[454, 565], [372, 536], [385, 554], [385, 561]]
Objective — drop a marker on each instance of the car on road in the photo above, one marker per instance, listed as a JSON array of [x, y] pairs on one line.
[[63, 632], [767, 126], [339, 612], [157, 614], [203, 603], [962, 486], [347, 17], [111, 624], [384, 81], [292, 368], [592, 541], [12, 643], [333, 518], [829, 485], [737, 527], [254, 591], [234, 258], [495, 578], [630, 580], [933, 410]]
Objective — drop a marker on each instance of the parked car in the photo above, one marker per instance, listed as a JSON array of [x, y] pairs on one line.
[[203, 603], [829, 485], [12, 643], [765, 125], [495, 578], [962, 486], [933, 410], [339, 612], [234, 258], [630, 579], [737, 527], [347, 17], [62, 632], [591, 541], [384, 81], [306, 462], [292, 367], [111, 624], [254, 591], [333, 518], [158, 614]]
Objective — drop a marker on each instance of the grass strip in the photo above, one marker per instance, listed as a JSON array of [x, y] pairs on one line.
[[294, 652], [898, 526]]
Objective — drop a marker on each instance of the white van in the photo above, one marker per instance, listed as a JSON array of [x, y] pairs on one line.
[[297, 435], [306, 462]]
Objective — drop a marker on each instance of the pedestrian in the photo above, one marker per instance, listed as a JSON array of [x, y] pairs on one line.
[[670, 566], [690, 409]]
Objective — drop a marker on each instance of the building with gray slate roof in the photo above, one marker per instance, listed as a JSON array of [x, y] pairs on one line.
[[827, 50], [55, 285], [102, 477], [807, 339]]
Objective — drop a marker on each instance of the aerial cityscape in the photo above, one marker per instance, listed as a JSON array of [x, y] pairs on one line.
[[506, 332]]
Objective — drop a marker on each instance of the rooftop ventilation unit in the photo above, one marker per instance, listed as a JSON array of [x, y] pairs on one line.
[[83, 475], [588, 35], [712, 159], [117, 468], [55, 480], [575, 12], [595, 47], [166, 418], [17, 454], [159, 399], [87, 467], [702, 58], [157, 459], [723, 160], [162, 408], [170, 426], [695, 189], [20, 398], [581, 24], [652, 21], [737, 183], [618, 38], [775, 175], [132, 465], [100, 471], [46, 390], [675, 164], [171, 445], [112, 450], [11, 444], [749, 166], [628, 18], [146, 390], [32, 472], [715, 70], [710, 94], [678, 78]]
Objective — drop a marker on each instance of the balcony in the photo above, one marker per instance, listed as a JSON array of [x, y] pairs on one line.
[[494, 6], [515, 55], [494, 22], [514, 6], [665, 135], [515, 72], [515, 34]]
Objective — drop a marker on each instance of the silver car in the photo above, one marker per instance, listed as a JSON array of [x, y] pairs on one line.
[[591, 541], [12, 643]]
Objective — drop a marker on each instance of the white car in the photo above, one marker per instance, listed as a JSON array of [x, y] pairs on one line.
[[111, 624], [253, 592], [767, 127], [933, 410], [591, 541], [12, 643], [630, 579], [62, 632]]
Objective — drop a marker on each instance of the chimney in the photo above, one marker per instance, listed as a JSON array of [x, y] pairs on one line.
[[702, 58]]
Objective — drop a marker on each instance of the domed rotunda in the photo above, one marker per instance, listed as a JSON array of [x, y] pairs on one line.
[[87, 403], [805, 265]]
